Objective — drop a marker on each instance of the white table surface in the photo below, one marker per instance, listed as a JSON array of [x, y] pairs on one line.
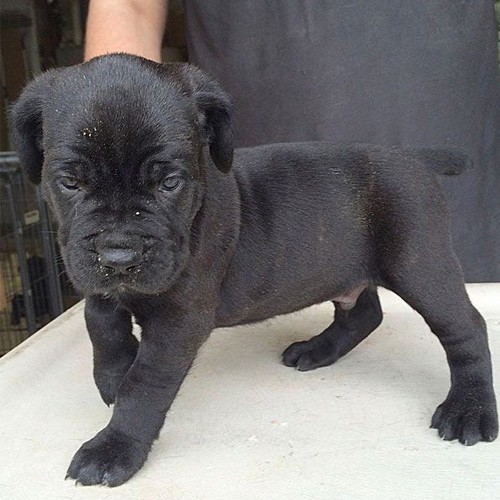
[[246, 427]]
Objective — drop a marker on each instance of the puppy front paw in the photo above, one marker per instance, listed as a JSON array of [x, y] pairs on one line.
[[469, 415], [108, 377], [110, 458]]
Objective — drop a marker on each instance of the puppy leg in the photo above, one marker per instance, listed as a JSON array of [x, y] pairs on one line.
[[115, 348], [168, 346], [434, 287], [346, 332]]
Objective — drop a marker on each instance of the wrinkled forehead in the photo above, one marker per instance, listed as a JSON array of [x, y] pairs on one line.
[[120, 118]]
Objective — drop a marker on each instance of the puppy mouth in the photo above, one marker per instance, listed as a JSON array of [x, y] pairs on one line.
[[118, 281], [138, 281], [148, 278], [139, 265]]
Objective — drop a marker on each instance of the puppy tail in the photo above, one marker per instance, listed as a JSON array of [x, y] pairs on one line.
[[444, 160]]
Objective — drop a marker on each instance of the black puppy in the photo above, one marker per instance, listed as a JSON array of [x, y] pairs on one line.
[[154, 224]]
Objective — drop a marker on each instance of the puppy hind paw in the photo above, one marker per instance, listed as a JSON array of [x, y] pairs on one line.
[[469, 420], [308, 355]]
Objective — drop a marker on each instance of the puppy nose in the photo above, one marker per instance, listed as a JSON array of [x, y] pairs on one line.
[[121, 260]]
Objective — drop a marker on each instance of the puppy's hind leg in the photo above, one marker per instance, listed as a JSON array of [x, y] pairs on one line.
[[433, 285], [351, 326], [114, 345]]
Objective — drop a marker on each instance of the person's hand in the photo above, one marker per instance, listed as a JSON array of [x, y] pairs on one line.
[[131, 26]]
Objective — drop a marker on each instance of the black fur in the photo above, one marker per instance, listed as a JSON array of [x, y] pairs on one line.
[[289, 226]]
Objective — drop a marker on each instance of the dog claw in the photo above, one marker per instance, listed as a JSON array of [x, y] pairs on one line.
[[308, 355], [110, 459], [469, 420]]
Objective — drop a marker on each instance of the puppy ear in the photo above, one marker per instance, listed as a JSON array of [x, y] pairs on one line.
[[215, 108], [26, 125]]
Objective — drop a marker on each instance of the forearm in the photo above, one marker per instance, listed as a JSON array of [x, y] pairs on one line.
[[131, 26]]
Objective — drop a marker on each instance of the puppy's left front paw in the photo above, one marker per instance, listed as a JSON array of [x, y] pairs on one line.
[[110, 458]]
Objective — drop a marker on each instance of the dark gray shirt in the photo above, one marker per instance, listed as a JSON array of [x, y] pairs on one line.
[[394, 72]]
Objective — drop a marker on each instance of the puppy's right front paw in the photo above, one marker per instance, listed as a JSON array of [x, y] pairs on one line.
[[110, 458]]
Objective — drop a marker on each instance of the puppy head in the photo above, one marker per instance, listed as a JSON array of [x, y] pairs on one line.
[[119, 146]]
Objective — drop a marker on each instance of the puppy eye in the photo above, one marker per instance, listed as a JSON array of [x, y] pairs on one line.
[[170, 183], [70, 183]]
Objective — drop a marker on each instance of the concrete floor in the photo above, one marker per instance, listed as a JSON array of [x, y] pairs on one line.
[[246, 427]]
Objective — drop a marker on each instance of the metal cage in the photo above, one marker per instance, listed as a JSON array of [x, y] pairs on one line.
[[32, 279]]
